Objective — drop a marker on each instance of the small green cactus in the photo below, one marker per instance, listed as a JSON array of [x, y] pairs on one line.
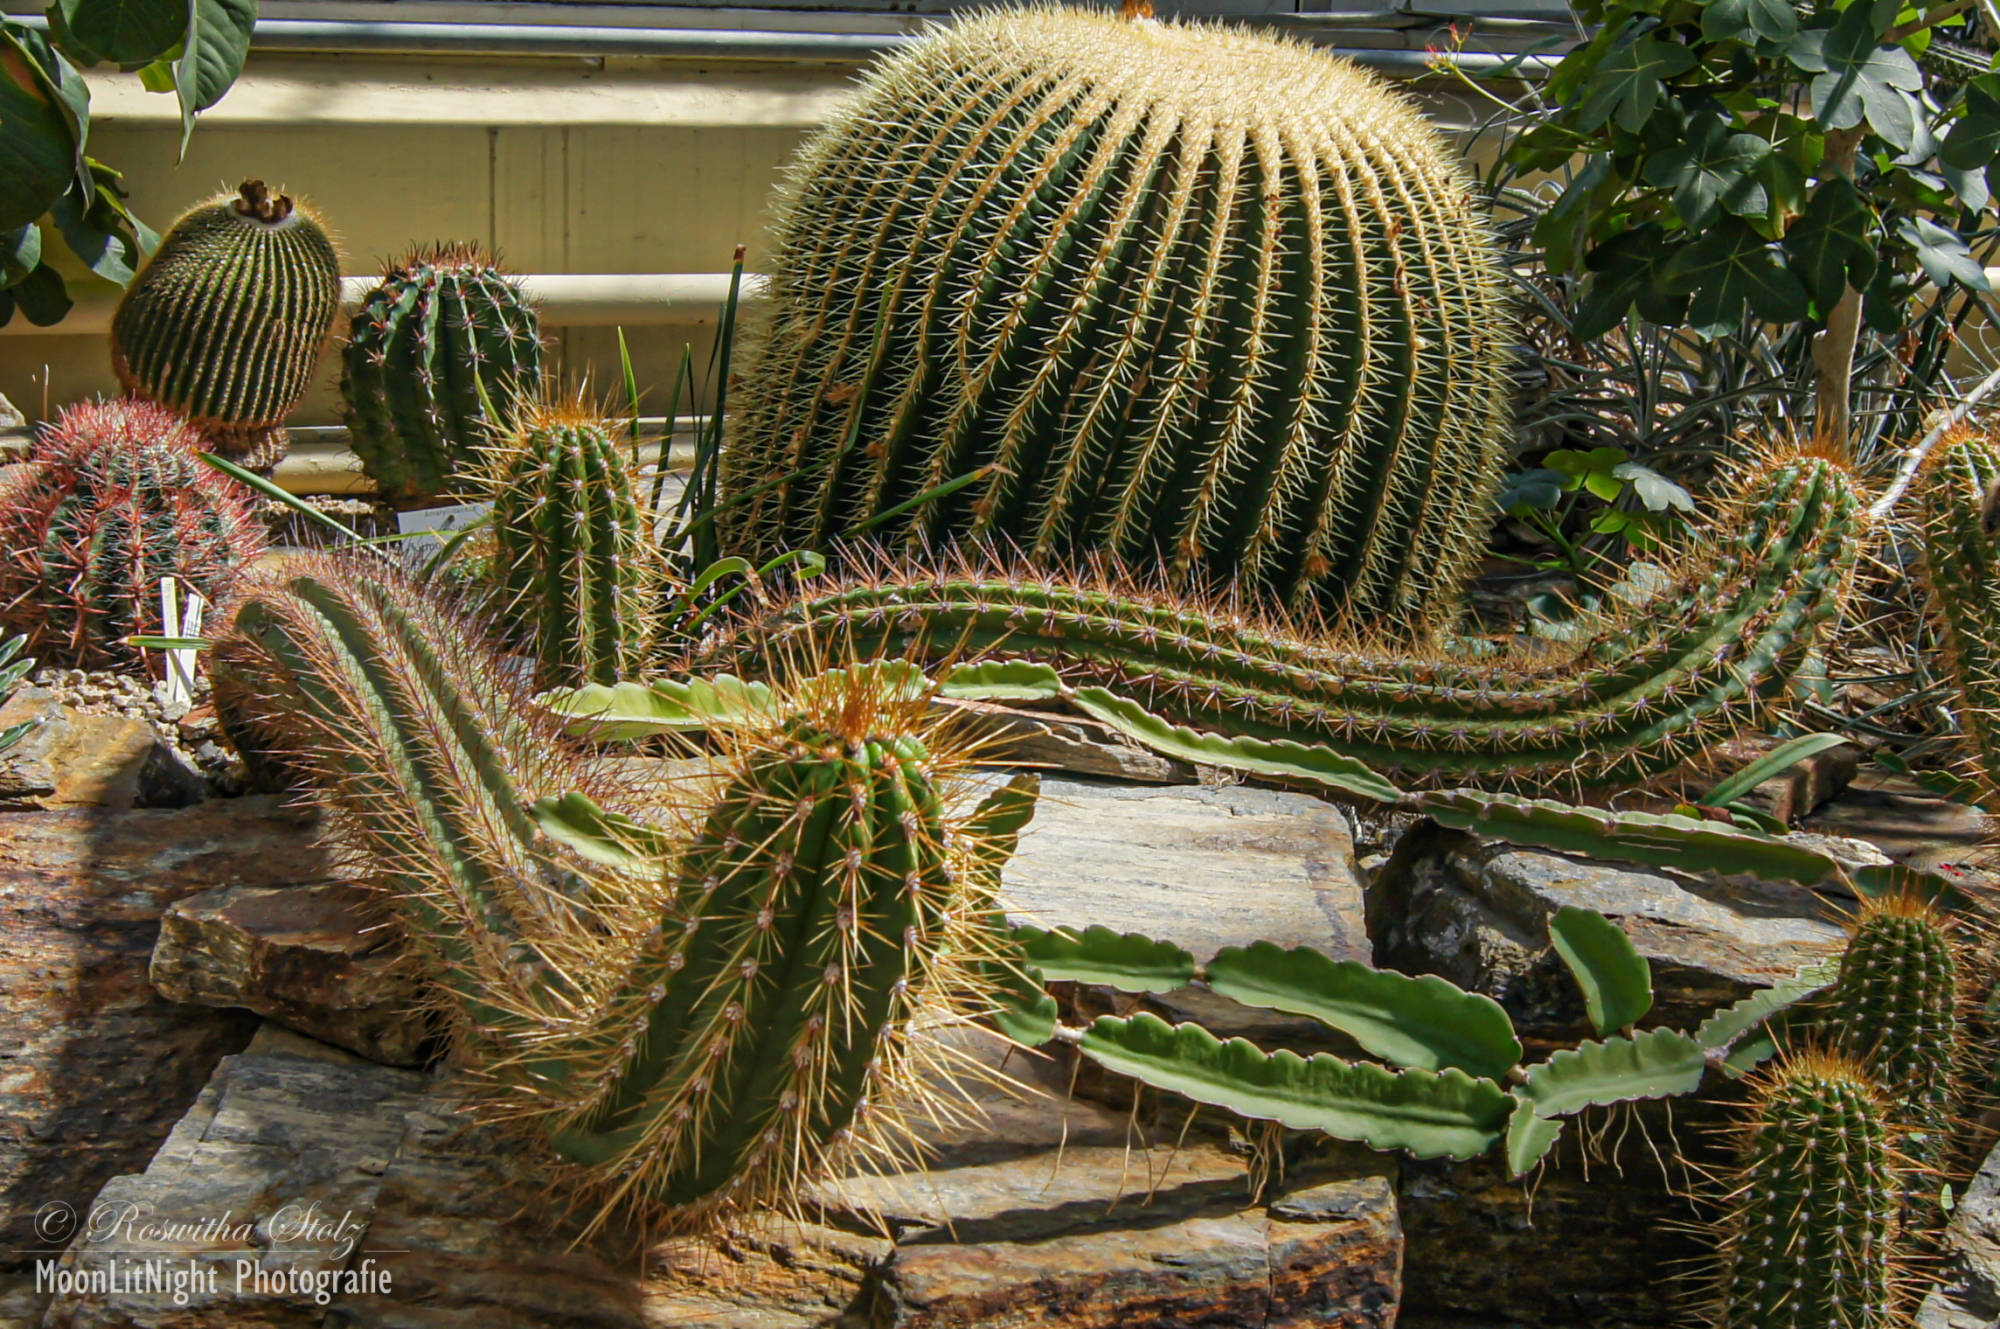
[[226, 320], [1809, 1235], [444, 337], [1961, 571], [112, 500], [1178, 293], [575, 562]]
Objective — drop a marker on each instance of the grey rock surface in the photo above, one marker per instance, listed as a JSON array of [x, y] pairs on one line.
[[1967, 1295]]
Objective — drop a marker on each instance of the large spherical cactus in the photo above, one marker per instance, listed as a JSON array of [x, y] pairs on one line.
[[576, 564], [1175, 292], [226, 320], [1809, 1237], [112, 500], [441, 340]]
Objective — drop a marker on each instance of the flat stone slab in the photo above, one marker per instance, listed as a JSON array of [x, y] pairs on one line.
[[1967, 1295], [421, 1220]]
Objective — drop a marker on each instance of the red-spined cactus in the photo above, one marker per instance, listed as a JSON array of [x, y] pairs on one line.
[[112, 500]]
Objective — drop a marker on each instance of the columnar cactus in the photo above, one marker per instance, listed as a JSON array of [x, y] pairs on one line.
[[1178, 293], [1961, 569], [1809, 1238], [442, 338], [1651, 689], [226, 320], [702, 994], [576, 564], [113, 499]]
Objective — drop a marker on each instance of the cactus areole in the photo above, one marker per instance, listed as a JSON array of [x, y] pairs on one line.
[[1182, 294], [226, 320]]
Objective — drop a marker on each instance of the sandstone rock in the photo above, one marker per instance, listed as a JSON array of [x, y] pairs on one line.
[[72, 759], [319, 959], [1477, 913], [448, 1224], [96, 1066], [1800, 790], [1070, 743], [1906, 821]]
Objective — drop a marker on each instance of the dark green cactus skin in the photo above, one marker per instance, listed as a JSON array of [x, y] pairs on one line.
[[1638, 700], [1189, 296], [1895, 1010], [573, 556], [114, 499], [1961, 569], [699, 1029], [443, 335], [1809, 1241], [226, 320]]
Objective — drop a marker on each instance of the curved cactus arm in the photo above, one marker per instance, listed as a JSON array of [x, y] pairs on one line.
[[1961, 567], [1725, 1030], [1430, 1114], [1530, 1136], [1099, 956], [1422, 1023], [1311, 762], [1002, 680], [1660, 840], [1617, 982], [1657, 1064]]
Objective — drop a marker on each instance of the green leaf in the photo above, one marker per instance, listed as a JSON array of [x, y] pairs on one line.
[[41, 296], [1023, 1012], [1630, 268], [124, 32], [1657, 1064], [1279, 757], [1431, 1114], [1421, 1023], [1943, 254], [1831, 246], [1772, 764], [1730, 269], [608, 838], [1856, 79], [98, 231], [1002, 680], [1656, 491], [1712, 172], [1617, 982], [993, 831], [217, 44], [1529, 1137], [1103, 958], [1721, 1031], [1974, 140], [40, 148], [639, 710], [1537, 490], [1630, 80], [1749, 21], [20, 253]]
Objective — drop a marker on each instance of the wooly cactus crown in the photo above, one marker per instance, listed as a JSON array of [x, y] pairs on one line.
[[1179, 293]]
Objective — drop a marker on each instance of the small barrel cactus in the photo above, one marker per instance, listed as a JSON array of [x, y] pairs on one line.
[[1178, 293], [112, 500], [441, 340], [575, 563], [1809, 1235], [226, 320]]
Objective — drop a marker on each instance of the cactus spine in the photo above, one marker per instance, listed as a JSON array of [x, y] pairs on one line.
[[1178, 293], [226, 320], [1809, 1236], [1961, 569], [441, 336], [112, 500], [1646, 693], [574, 560], [701, 995]]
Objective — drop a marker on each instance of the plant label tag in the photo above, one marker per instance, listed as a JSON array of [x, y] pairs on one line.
[[429, 528]]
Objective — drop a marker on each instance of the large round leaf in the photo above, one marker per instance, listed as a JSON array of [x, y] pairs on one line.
[[38, 146], [125, 32]]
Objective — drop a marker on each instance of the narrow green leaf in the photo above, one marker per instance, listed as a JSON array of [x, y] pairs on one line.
[[39, 152], [608, 838], [1002, 680], [1772, 764], [1103, 958], [1280, 757], [1424, 1023], [1657, 1064], [628, 710], [1720, 1031], [1431, 1114], [1617, 982], [217, 44]]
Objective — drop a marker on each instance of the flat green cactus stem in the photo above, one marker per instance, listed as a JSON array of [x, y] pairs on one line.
[[1176, 292], [1961, 567], [444, 337], [1647, 692], [226, 320], [1808, 1240], [574, 560], [704, 994]]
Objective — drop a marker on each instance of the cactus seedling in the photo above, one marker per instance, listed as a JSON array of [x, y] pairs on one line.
[[226, 320], [442, 337], [1178, 293], [112, 500]]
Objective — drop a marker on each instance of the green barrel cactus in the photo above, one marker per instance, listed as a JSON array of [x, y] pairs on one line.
[[703, 992], [575, 564], [1653, 687], [1961, 571], [113, 499], [1809, 1233], [1178, 294], [226, 320], [444, 337]]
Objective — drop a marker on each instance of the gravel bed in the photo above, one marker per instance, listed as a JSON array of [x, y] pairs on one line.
[[191, 727]]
